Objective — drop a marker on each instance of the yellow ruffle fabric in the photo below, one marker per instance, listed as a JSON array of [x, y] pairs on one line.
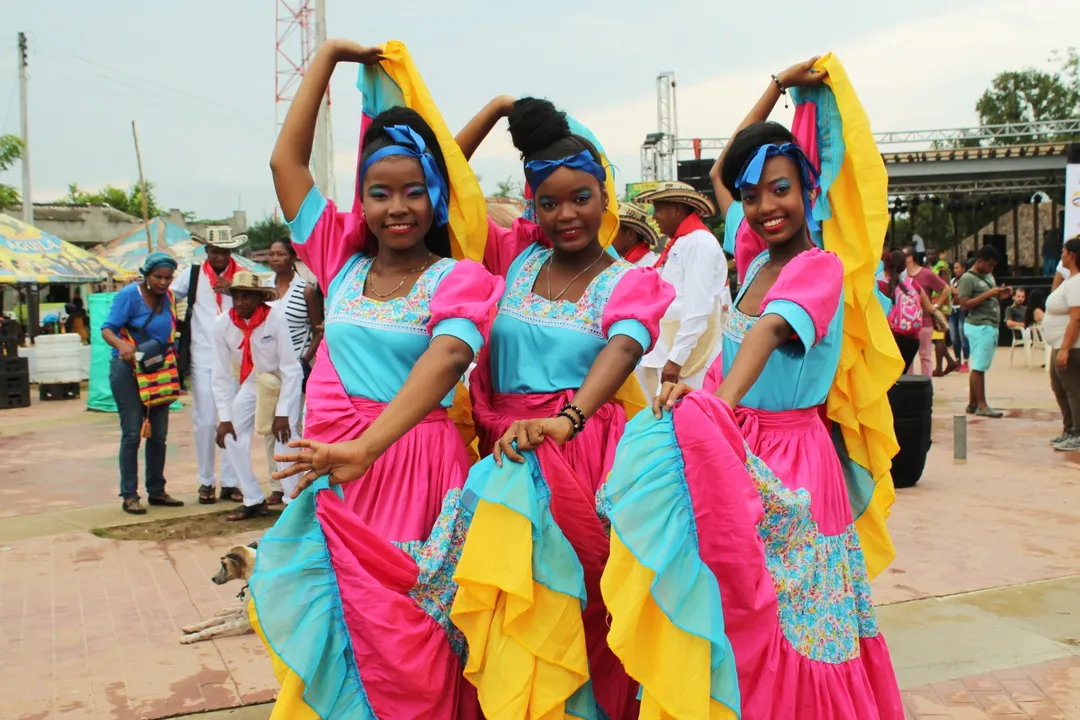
[[290, 703], [535, 633], [673, 668], [869, 359], [468, 211]]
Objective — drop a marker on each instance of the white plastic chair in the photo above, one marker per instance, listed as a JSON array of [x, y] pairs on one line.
[[1038, 340], [1020, 339]]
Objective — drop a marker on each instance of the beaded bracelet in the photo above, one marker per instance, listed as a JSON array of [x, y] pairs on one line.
[[575, 408], [573, 422], [783, 90]]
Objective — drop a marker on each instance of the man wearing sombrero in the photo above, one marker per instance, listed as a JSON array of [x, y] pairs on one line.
[[204, 286], [636, 239], [252, 346], [694, 264]]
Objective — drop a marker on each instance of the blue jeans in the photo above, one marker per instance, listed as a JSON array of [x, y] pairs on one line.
[[132, 412], [1050, 266], [956, 334]]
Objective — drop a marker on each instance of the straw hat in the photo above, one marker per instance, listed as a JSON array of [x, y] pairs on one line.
[[679, 192], [220, 236], [635, 218], [244, 280]]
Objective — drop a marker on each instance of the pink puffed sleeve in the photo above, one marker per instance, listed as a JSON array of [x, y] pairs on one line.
[[505, 244], [324, 237], [636, 306], [465, 303], [807, 294]]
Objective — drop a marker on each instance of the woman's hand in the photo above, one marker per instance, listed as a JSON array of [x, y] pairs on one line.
[[802, 74], [528, 434], [127, 352], [349, 51], [1062, 358], [343, 462], [669, 395], [505, 104]]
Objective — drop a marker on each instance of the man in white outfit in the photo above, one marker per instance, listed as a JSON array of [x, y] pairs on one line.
[[252, 346], [636, 240], [695, 265], [204, 288]]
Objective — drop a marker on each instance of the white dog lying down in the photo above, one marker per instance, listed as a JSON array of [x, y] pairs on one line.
[[238, 564]]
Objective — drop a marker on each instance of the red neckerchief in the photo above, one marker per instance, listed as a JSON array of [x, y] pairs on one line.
[[247, 362], [636, 253], [212, 277], [691, 223]]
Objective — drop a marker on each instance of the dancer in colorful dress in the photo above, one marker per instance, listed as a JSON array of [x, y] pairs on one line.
[[349, 591], [734, 550], [573, 324]]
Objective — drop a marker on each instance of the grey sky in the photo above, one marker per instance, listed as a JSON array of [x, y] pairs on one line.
[[198, 76]]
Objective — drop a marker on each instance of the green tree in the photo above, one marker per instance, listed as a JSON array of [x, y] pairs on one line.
[[128, 201], [11, 150], [1032, 95], [264, 233], [509, 189]]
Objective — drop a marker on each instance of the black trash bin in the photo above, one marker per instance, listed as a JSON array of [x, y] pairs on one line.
[[912, 401]]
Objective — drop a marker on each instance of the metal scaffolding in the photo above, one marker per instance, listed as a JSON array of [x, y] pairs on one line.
[[1028, 132], [301, 29]]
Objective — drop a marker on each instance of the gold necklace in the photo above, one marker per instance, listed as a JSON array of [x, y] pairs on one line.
[[378, 294], [589, 267]]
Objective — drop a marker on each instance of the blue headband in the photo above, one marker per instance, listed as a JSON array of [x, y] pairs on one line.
[[808, 174], [408, 142], [156, 260], [538, 171]]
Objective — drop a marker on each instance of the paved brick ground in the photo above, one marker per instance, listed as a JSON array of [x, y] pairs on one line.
[[89, 628], [1048, 691]]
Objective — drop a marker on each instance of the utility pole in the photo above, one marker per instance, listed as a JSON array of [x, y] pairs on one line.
[[27, 200], [142, 186]]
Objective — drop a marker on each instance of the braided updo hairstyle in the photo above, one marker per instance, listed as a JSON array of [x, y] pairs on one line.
[[541, 132], [437, 239]]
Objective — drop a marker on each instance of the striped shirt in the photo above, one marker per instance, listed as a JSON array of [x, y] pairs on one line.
[[296, 314]]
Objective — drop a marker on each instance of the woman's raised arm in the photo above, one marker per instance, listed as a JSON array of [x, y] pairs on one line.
[[292, 154]]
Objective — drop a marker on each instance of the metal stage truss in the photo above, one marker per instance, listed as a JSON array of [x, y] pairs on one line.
[[1031, 131], [978, 187]]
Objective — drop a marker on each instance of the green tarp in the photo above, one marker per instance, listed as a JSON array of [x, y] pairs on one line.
[[99, 397]]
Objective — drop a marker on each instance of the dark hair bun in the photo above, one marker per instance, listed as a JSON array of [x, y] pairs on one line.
[[743, 146], [536, 125]]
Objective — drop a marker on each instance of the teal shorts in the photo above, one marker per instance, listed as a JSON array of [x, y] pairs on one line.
[[983, 340]]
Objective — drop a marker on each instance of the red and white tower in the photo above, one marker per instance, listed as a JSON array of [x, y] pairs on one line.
[[301, 28]]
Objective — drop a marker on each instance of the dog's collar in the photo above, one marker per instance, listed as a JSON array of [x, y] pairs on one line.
[[242, 594]]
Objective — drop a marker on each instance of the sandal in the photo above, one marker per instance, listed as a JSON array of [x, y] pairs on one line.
[[133, 506], [248, 512], [165, 500], [232, 493], [206, 495], [276, 498], [989, 413]]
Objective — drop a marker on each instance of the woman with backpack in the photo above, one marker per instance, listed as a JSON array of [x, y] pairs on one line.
[[908, 305]]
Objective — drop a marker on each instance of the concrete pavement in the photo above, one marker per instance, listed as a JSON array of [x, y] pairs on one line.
[[979, 609]]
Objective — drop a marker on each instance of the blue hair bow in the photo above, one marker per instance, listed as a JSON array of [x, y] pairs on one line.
[[408, 142], [537, 171], [808, 174]]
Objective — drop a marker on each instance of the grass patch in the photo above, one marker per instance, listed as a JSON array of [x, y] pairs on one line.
[[186, 528]]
